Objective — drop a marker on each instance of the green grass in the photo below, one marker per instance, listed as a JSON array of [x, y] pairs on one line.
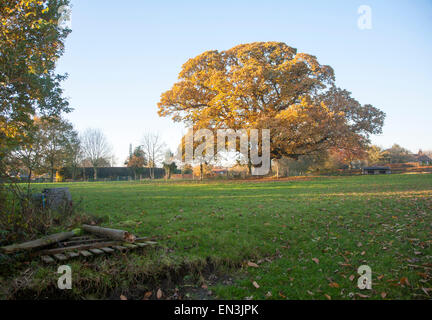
[[344, 222]]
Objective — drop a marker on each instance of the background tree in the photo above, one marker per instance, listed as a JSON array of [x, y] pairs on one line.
[[60, 143], [398, 154], [169, 164], [198, 161], [74, 155], [269, 85], [96, 149], [375, 155], [136, 161], [153, 148], [29, 157]]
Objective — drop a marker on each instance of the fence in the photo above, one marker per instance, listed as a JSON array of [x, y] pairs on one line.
[[110, 174]]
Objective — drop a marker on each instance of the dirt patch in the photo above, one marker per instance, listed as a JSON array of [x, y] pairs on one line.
[[179, 283]]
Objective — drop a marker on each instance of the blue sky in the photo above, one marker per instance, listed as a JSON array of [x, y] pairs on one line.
[[122, 55]]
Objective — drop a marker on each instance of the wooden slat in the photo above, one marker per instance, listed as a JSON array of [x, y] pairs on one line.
[[72, 254], [60, 257], [120, 248], [78, 248], [85, 253], [107, 250], [47, 259], [96, 251], [141, 244], [80, 238], [151, 242], [130, 245], [86, 241]]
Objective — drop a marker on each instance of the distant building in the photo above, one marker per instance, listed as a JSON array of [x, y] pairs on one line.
[[220, 171], [376, 170], [422, 159]]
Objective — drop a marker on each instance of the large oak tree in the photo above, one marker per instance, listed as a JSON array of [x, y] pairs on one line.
[[270, 85]]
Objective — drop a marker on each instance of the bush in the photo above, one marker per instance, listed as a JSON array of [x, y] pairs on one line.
[[23, 219]]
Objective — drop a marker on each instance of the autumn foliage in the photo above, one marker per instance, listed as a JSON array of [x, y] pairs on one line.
[[269, 85]]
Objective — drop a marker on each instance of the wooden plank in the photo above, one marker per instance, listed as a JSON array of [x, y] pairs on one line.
[[141, 244], [39, 243], [120, 248], [85, 253], [86, 241], [130, 245], [60, 257], [78, 247], [72, 254], [80, 238], [96, 251], [47, 259], [107, 250]]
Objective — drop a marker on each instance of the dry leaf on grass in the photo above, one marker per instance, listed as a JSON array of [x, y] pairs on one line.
[[159, 294], [316, 260], [148, 295], [122, 297], [253, 265], [255, 284]]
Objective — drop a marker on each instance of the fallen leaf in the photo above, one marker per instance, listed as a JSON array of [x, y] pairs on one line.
[[334, 285], [253, 265], [316, 260], [148, 295], [362, 295], [159, 294], [404, 280], [268, 294], [255, 284], [383, 295], [327, 296], [380, 277], [204, 286], [352, 277], [122, 297]]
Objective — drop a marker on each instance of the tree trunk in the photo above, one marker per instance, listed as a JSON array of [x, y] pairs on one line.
[[250, 167], [201, 172], [95, 173], [277, 168], [114, 234]]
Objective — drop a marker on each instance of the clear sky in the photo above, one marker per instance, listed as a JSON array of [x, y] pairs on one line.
[[121, 55]]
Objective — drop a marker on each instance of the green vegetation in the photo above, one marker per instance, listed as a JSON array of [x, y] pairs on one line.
[[308, 238]]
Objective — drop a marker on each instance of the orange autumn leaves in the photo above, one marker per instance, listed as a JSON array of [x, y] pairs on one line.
[[269, 85]]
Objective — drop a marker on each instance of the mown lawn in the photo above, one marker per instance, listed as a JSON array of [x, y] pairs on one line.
[[307, 237]]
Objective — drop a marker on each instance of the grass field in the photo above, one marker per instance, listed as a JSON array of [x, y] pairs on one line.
[[307, 237]]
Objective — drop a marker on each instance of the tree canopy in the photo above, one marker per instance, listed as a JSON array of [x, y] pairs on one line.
[[269, 85], [30, 44]]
